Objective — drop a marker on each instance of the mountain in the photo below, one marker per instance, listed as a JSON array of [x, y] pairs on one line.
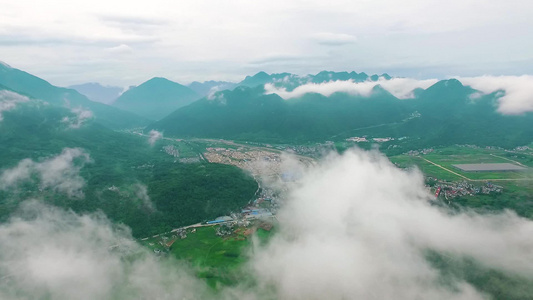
[[449, 115], [248, 114], [97, 92], [291, 81], [126, 178], [443, 114], [205, 88], [28, 84], [262, 78], [156, 98]]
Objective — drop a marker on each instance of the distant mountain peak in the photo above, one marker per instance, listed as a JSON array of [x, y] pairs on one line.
[[449, 83], [261, 74], [159, 79], [155, 98], [386, 76]]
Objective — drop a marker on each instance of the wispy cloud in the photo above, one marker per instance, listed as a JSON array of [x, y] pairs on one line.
[[518, 91], [120, 49], [59, 173], [141, 192], [400, 87], [358, 227], [334, 39], [83, 257], [180, 36], [9, 100], [81, 115], [154, 136]]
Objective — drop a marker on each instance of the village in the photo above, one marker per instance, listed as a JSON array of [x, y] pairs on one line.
[[257, 162], [260, 213], [454, 189]]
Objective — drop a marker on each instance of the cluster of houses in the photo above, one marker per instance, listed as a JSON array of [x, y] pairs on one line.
[[463, 188], [364, 139], [419, 152], [171, 150]]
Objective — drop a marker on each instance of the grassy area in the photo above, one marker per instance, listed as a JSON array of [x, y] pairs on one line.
[[185, 149], [449, 156], [216, 259], [516, 191]]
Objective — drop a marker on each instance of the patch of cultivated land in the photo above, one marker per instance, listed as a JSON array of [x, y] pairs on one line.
[[440, 163], [517, 186], [215, 258]]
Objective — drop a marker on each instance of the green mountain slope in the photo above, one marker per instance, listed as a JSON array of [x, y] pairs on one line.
[[28, 84], [121, 166], [156, 98], [248, 114], [444, 114], [450, 116]]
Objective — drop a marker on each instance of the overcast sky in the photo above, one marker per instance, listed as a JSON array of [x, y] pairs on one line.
[[127, 42]]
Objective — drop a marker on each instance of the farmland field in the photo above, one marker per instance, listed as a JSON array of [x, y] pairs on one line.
[[214, 258]]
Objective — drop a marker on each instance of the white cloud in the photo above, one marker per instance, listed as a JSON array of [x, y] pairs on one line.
[[518, 97], [334, 39], [141, 192], [400, 87], [48, 253], [154, 136], [216, 95], [59, 173], [357, 227], [80, 116], [410, 35], [9, 100], [120, 49]]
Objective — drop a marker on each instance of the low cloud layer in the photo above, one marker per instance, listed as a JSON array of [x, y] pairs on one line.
[[357, 227], [518, 97], [154, 136], [48, 253], [59, 173], [9, 100], [80, 116], [400, 87]]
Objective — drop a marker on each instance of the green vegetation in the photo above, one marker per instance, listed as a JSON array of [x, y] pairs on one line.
[[247, 114], [27, 84], [442, 115], [122, 163], [216, 259], [517, 186], [495, 283]]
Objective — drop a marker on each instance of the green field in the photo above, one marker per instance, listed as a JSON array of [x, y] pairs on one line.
[[517, 186], [185, 149], [447, 157], [216, 259]]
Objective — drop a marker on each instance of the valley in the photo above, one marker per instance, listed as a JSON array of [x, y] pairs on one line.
[[216, 181]]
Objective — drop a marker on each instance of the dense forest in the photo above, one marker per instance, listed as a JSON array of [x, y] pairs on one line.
[[123, 169]]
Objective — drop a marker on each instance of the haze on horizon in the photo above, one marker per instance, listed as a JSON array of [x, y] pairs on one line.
[[125, 43]]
